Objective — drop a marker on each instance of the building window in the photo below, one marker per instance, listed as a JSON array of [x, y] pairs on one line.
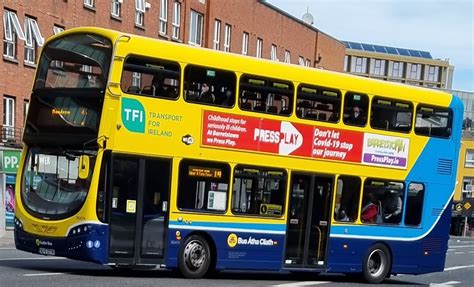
[[469, 158], [136, 80], [195, 31], [396, 70], [307, 63], [346, 63], [258, 53], [359, 65], [33, 38], [140, 13], [467, 187], [245, 43], [89, 3], [433, 73], [273, 55], [217, 35], [300, 61], [57, 29], [116, 10], [227, 35], [377, 67], [287, 57], [414, 71], [176, 20], [12, 29], [8, 117], [163, 17]]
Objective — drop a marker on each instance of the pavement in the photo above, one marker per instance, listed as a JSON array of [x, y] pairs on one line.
[[7, 240]]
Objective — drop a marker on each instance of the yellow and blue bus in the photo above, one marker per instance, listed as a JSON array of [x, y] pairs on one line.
[[141, 152]]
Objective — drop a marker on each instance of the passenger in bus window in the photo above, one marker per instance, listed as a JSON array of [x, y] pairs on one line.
[[370, 209], [206, 96], [393, 207], [356, 117]]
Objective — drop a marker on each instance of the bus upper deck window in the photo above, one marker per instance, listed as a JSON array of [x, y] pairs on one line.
[[433, 121], [318, 104], [391, 115]]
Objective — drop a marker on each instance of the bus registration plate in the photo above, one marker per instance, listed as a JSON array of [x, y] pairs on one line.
[[47, 251]]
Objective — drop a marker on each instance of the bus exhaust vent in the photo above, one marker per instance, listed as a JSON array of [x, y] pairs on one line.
[[445, 166], [437, 212], [433, 244]]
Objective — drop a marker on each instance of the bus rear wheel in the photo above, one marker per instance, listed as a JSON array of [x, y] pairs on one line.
[[195, 257], [376, 264]]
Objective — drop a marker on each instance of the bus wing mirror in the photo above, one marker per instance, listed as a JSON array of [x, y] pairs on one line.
[[84, 166]]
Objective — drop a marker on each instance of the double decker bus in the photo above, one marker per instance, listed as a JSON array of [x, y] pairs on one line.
[[145, 152]]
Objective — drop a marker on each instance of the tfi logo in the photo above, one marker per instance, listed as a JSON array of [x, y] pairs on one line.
[[133, 115]]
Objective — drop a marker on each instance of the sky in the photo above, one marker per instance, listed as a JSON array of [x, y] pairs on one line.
[[445, 28]]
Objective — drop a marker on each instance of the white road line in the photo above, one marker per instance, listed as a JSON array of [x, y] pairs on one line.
[[458, 267], [457, 253], [42, 274], [471, 252], [451, 250], [7, 248], [449, 283], [32, 258], [460, 246], [297, 284]]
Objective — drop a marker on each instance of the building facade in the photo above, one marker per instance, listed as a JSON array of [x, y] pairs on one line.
[[407, 66], [250, 27]]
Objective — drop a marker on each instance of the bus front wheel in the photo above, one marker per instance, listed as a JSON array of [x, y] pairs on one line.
[[195, 257], [376, 264]]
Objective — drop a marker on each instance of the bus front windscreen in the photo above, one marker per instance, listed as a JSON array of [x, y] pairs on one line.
[[69, 89], [53, 187]]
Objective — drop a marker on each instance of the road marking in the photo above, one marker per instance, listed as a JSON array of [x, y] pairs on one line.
[[449, 283], [461, 246], [458, 253], [451, 250], [471, 252], [297, 284], [7, 248], [458, 267], [42, 274], [31, 258]]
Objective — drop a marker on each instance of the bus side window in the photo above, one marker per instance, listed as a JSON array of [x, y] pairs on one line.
[[203, 186], [259, 191], [414, 209], [391, 115], [433, 121], [382, 202], [209, 86], [151, 77], [356, 107], [318, 104], [347, 198], [264, 95]]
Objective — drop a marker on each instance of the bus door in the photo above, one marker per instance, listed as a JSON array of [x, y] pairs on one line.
[[138, 215], [308, 221]]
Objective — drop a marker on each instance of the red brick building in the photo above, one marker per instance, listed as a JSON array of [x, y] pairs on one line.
[[251, 27]]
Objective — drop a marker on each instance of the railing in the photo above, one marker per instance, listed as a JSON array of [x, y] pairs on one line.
[[12, 136]]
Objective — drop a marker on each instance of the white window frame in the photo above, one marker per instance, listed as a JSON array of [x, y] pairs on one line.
[[469, 158], [245, 43], [195, 28], [136, 79], [176, 20], [227, 37], [140, 13], [258, 52], [89, 3], [26, 107], [287, 57], [397, 71], [116, 9], [300, 61], [273, 54], [33, 38], [57, 29], [307, 63], [217, 35], [11, 29], [163, 17], [9, 117]]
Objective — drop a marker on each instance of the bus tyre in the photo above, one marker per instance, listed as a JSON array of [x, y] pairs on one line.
[[195, 257], [376, 264]]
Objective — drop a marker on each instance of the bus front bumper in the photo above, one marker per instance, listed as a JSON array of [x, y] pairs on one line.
[[87, 242]]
